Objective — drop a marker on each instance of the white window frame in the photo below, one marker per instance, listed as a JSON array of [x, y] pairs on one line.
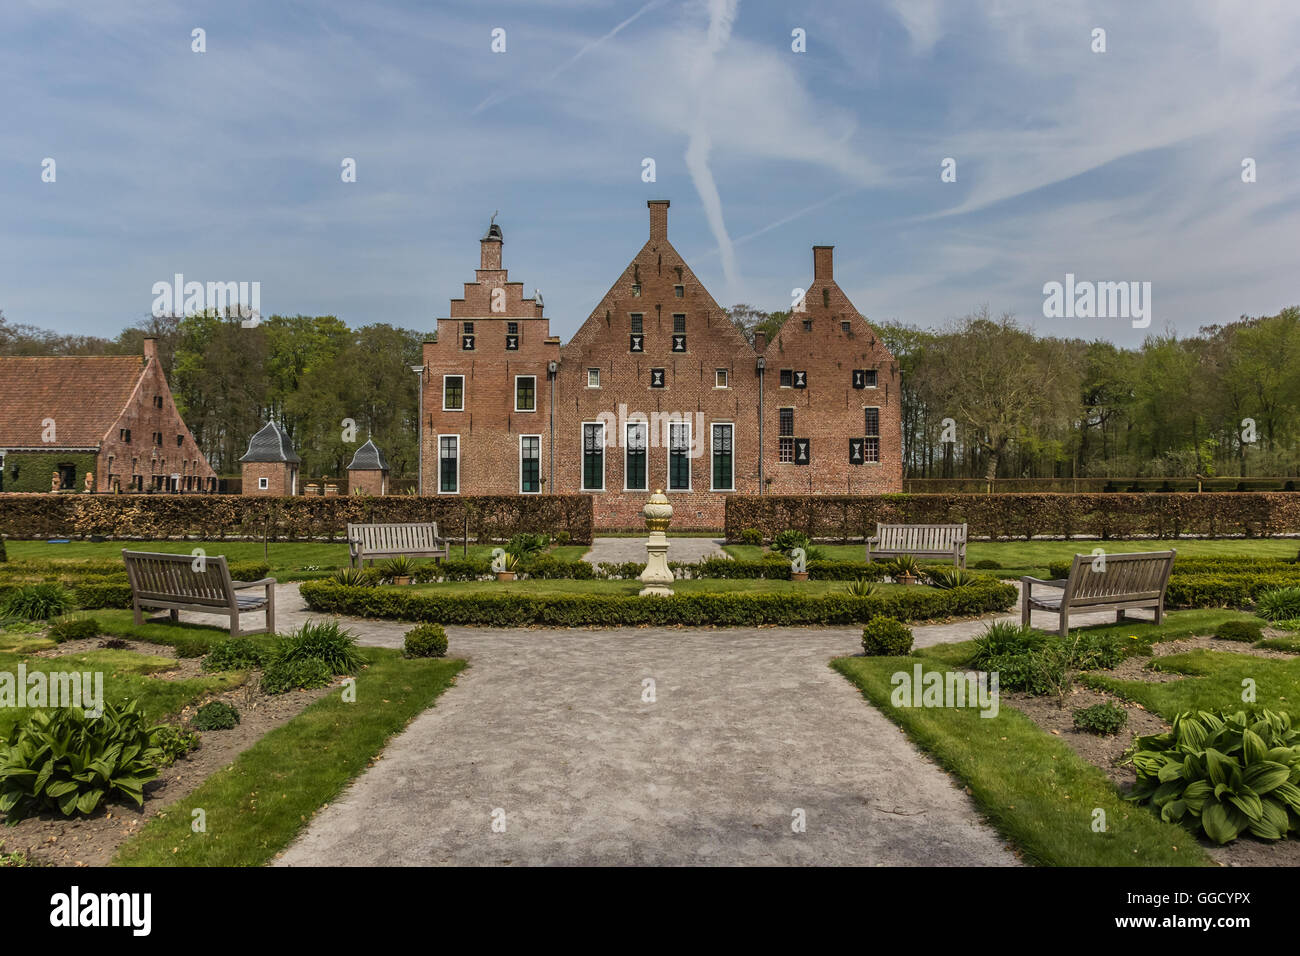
[[596, 373], [880, 451], [732, 426], [441, 436], [876, 374], [582, 456], [444, 392], [645, 451], [521, 466], [264, 484], [668, 460], [726, 378], [526, 410]]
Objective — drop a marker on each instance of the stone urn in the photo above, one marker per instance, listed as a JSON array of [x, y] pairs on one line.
[[657, 577]]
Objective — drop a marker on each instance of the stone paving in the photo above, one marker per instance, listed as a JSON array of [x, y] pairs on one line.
[[618, 550]]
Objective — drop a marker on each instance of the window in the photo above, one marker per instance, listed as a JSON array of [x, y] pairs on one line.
[[512, 336], [656, 378], [800, 379], [530, 464], [871, 378], [180, 440], [785, 434], [679, 332], [449, 464], [719, 378], [679, 322], [637, 323], [512, 328], [679, 456], [807, 325], [872, 448], [636, 291], [846, 327], [263, 484], [593, 378], [723, 475], [453, 393], [157, 401], [679, 291], [124, 435], [467, 336], [634, 473], [467, 328], [525, 393], [864, 378], [787, 378], [593, 456], [157, 438]]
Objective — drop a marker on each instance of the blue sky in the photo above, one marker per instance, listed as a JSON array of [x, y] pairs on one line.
[[224, 165]]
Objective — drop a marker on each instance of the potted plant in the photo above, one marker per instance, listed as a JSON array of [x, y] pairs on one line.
[[904, 569], [508, 564], [399, 569]]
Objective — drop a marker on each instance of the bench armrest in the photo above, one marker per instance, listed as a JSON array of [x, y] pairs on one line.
[[873, 541], [241, 585], [1058, 583]]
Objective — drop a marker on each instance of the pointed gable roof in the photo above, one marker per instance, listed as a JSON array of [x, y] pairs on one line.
[[368, 458], [84, 394], [271, 444]]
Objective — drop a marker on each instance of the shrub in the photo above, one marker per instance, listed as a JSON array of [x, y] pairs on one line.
[[355, 577], [63, 760], [283, 676], [525, 544], [547, 566], [860, 587], [397, 567], [325, 641], [788, 540], [625, 570], [114, 644], [73, 629], [904, 564], [885, 637], [516, 609], [752, 536], [237, 654], [1279, 604], [37, 602], [1247, 631], [1106, 719], [987, 564], [1089, 650], [215, 715], [1005, 637], [173, 742], [3, 554], [1223, 773], [562, 539], [426, 640], [947, 577]]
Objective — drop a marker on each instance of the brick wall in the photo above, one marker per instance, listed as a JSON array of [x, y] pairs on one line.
[[489, 426], [368, 482], [150, 413]]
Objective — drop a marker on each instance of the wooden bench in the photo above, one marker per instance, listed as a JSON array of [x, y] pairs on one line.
[[920, 540], [1124, 581], [369, 541], [183, 582]]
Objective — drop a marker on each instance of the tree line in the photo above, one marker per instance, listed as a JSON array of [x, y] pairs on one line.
[[982, 397]]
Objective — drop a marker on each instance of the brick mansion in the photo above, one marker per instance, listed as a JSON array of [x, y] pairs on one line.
[[657, 389]]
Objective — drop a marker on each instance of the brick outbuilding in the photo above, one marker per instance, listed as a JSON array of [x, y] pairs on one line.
[[368, 471], [270, 466]]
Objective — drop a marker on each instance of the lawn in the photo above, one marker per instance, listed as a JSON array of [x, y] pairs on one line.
[[1212, 680], [1032, 557], [289, 560]]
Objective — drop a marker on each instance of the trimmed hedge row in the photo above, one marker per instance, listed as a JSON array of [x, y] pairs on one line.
[[1162, 515], [1224, 590], [599, 610], [95, 586], [217, 517], [1208, 565]]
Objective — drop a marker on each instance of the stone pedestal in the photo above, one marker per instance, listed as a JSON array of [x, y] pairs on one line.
[[657, 577]]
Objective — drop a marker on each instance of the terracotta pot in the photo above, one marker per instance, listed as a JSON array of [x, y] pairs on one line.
[[401, 579], [505, 575], [906, 579], [798, 575]]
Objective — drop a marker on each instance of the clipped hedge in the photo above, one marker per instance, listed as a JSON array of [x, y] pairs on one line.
[[1220, 565], [601, 610], [97, 584], [848, 518], [302, 518]]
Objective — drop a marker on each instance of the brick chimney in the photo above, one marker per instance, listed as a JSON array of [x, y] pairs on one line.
[[658, 218], [823, 259], [760, 341], [490, 247], [150, 349]]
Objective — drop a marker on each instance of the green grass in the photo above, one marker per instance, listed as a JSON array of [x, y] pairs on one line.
[[1032, 557], [704, 586], [257, 805], [1291, 644], [126, 675], [189, 640], [289, 560], [1031, 787], [1212, 680]]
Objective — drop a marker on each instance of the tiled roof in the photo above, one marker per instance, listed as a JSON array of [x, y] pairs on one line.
[[84, 395], [271, 444], [368, 458]]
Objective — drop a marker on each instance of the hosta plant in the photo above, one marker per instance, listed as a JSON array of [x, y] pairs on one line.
[[37, 602], [1279, 604], [63, 760], [1223, 773]]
